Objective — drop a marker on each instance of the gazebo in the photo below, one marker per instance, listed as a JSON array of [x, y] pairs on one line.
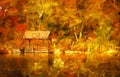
[[36, 41]]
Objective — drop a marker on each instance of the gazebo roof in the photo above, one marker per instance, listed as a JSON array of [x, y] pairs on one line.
[[36, 34]]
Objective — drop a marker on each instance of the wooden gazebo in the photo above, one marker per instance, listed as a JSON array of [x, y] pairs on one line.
[[36, 41]]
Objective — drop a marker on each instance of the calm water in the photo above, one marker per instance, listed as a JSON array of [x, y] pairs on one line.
[[50, 65], [17, 65], [31, 64]]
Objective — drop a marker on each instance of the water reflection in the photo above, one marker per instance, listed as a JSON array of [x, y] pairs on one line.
[[13, 66], [50, 59], [55, 61], [50, 65], [28, 65]]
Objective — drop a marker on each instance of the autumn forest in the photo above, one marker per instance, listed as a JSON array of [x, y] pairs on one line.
[[76, 24]]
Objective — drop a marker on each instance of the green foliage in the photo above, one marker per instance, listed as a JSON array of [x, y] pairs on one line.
[[103, 32], [39, 14]]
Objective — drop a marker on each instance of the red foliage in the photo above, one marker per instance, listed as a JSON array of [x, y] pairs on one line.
[[3, 51], [1, 12], [15, 19], [20, 28], [6, 31], [116, 25]]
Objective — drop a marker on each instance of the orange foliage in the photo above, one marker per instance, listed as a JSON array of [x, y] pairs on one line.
[[116, 33], [12, 11], [69, 3], [5, 32], [1, 29]]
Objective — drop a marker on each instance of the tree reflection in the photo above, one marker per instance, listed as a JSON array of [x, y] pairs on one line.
[[50, 59]]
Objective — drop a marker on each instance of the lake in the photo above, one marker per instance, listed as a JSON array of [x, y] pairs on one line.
[[50, 65]]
